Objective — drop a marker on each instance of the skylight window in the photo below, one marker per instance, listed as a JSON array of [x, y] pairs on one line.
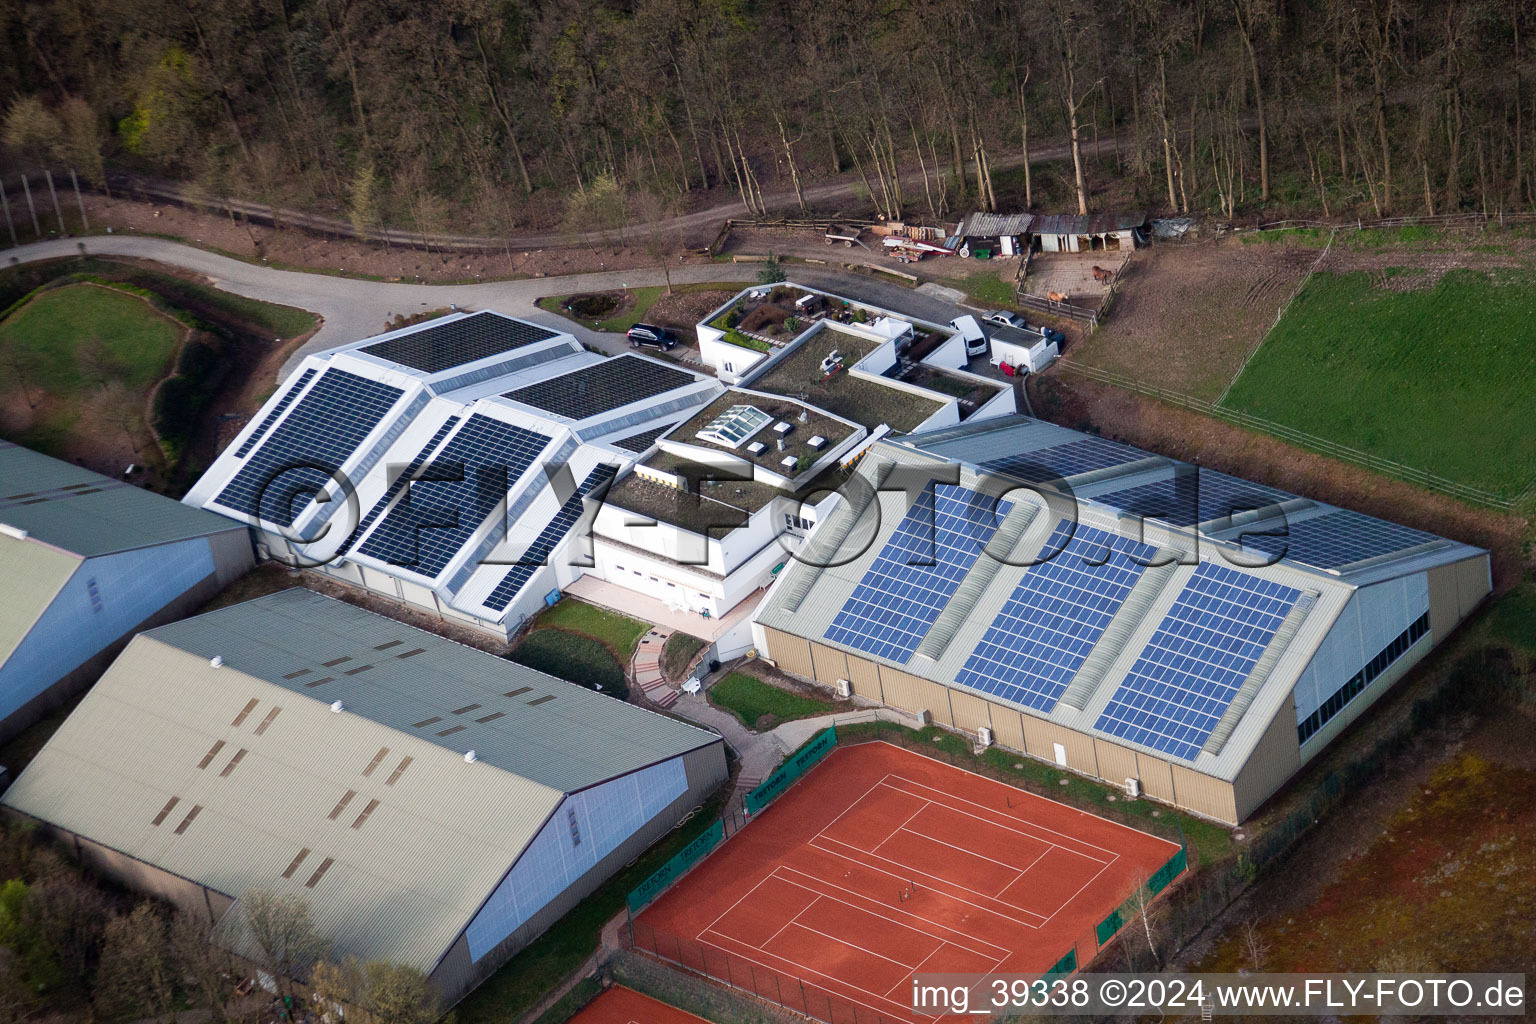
[[735, 425]]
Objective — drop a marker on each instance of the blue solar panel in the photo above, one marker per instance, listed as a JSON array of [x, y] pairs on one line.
[[917, 571], [1193, 666], [1056, 614], [319, 435], [1339, 538], [1065, 460], [437, 517], [400, 481], [1181, 501], [271, 417], [537, 553]]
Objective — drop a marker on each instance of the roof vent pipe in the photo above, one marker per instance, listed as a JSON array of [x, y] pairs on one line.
[[216, 661], [14, 531], [338, 707], [470, 757]]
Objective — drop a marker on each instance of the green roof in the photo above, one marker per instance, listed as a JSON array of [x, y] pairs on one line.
[[517, 719], [82, 512]]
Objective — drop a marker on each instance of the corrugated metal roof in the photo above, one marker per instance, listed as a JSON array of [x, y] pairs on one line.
[[975, 443], [1086, 224], [34, 575], [400, 676], [416, 836], [88, 514], [401, 886], [990, 224]]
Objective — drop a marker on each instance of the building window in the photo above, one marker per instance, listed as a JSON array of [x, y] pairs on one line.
[[1360, 680], [570, 813], [95, 592], [796, 523]]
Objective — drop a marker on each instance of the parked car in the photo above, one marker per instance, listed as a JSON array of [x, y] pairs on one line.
[[651, 336], [998, 316]]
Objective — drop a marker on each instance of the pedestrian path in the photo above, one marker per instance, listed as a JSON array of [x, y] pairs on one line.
[[645, 667]]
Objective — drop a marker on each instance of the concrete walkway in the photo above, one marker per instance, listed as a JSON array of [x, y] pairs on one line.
[[354, 309], [645, 667]]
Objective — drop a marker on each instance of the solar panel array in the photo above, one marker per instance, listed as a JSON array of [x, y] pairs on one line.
[[440, 347], [400, 481], [437, 517], [597, 389], [537, 553], [1064, 460], [643, 440], [916, 573], [1183, 501], [1187, 675], [1057, 613], [271, 417], [1339, 538], [319, 435]]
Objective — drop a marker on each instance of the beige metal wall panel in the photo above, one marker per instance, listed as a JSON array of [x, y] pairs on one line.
[[829, 664], [1041, 737], [1007, 726], [1275, 758], [791, 653], [1116, 763], [1156, 777], [382, 582], [1473, 582], [865, 677], [970, 711], [1204, 795], [908, 692], [1444, 600]]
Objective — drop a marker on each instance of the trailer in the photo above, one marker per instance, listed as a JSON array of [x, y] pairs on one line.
[[847, 235]]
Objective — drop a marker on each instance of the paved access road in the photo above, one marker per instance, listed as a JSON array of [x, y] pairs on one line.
[[354, 309]]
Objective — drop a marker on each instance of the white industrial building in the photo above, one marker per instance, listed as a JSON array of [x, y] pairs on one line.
[[1188, 635], [436, 807]]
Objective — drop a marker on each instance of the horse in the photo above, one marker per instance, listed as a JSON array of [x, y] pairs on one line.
[[1056, 296], [1103, 276]]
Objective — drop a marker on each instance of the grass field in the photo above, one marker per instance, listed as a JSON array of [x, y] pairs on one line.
[[579, 659], [762, 706], [619, 633], [635, 311], [1435, 378], [63, 340]]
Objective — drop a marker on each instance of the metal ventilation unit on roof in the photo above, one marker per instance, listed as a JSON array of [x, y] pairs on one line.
[[789, 462], [816, 443], [13, 531], [470, 757], [338, 707], [783, 427], [757, 447], [217, 661]]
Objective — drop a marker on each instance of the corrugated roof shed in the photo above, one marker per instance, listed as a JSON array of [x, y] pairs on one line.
[[242, 775], [1089, 224], [87, 514], [990, 224]]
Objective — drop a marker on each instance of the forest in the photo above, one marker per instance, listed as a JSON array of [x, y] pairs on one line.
[[503, 115]]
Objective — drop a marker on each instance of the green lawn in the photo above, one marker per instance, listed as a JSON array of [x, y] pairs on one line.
[[1439, 378], [760, 705], [1512, 618], [985, 287], [64, 340], [619, 633], [645, 298], [572, 656], [677, 652]]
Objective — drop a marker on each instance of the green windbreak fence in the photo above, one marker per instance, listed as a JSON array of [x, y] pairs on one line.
[[675, 868], [1158, 881], [1066, 965], [806, 758]]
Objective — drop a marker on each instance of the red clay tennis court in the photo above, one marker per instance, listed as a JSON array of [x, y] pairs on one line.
[[620, 1005], [881, 863]]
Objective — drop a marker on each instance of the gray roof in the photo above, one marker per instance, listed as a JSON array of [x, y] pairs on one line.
[[235, 777], [551, 732], [75, 510], [1086, 224], [989, 224]]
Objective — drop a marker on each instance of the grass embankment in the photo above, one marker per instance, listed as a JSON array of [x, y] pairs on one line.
[[63, 341], [571, 656], [760, 705], [1435, 378], [677, 652], [632, 312]]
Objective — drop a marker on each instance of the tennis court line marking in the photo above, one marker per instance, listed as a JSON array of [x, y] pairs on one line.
[[1113, 856], [908, 872], [919, 969], [888, 917], [972, 853], [798, 971]]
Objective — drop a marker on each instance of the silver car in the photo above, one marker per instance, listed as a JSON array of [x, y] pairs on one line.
[[997, 316]]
